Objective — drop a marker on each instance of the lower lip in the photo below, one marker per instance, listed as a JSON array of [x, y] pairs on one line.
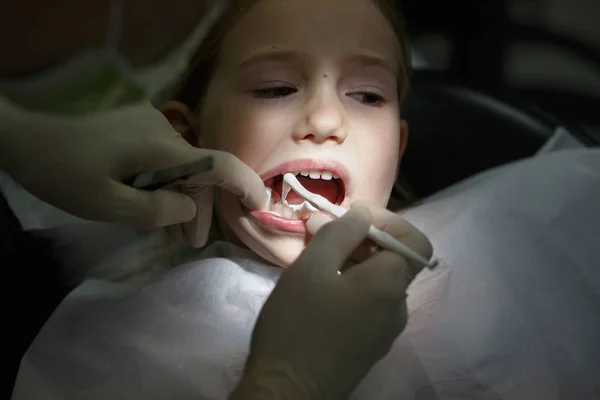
[[278, 223]]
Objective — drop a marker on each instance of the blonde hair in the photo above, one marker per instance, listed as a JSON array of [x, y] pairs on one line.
[[192, 88]]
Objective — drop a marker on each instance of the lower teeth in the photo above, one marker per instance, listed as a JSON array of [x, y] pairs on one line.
[[284, 210], [291, 211]]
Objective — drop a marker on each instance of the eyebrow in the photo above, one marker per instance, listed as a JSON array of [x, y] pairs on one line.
[[271, 55], [289, 55], [370, 60]]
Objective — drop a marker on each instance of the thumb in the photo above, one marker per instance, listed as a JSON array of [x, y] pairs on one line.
[[316, 222], [231, 174], [333, 245], [198, 229], [150, 209]]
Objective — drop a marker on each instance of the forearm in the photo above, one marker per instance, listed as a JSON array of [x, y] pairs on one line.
[[277, 382]]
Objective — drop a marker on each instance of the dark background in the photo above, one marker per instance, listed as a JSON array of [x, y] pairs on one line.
[[547, 51]]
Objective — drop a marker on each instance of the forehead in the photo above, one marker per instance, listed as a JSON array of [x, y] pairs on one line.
[[328, 28]]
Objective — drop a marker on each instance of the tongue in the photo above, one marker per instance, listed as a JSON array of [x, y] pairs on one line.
[[328, 189]]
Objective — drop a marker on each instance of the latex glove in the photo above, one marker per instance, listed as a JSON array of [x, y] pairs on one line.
[[387, 221], [77, 165], [319, 333]]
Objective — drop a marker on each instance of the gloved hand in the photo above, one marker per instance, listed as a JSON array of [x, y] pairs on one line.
[[77, 165], [387, 221], [319, 333]]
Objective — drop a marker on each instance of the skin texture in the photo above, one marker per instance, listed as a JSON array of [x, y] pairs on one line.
[[302, 79]]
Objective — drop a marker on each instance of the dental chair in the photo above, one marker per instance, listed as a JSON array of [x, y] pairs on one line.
[[455, 132], [481, 37]]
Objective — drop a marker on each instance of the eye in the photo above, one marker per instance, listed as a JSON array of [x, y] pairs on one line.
[[368, 98], [274, 92]]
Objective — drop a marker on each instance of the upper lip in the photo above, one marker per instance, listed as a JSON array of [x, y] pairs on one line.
[[307, 164]]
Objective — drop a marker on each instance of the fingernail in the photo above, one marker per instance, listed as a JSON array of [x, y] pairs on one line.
[[316, 222]]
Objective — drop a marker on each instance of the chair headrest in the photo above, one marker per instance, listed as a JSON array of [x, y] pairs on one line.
[[456, 132]]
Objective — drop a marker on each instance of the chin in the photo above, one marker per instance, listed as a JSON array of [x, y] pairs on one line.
[[276, 247], [279, 251]]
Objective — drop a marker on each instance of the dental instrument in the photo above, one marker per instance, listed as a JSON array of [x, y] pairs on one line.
[[155, 180], [378, 236]]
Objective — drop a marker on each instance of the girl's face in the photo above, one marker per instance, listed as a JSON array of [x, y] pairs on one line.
[[305, 86]]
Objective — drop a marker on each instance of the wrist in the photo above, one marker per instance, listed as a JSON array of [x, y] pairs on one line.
[[276, 381]]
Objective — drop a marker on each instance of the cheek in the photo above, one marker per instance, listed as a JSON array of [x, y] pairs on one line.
[[249, 133], [379, 153]]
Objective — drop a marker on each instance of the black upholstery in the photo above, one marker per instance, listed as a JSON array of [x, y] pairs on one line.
[[456, 131], [480, 36]]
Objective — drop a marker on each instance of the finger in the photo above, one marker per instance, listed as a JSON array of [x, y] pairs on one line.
[[316, 222], [233, 175], [149, 209], [228, 172], [399, 228], [386, 273], [335, 242], [364, 250], [198, 229], [175, 232]]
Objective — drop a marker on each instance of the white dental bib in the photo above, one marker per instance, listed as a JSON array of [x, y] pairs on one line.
[[511, 314]]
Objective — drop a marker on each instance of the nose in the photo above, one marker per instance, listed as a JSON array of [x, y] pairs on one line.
[[323, 120]]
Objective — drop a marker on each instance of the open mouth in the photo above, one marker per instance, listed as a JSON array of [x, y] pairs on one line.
[[324, 183], [290, 215]]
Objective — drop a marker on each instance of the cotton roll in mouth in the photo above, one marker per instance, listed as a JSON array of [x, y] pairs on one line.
[[292, 211], [268, 202]]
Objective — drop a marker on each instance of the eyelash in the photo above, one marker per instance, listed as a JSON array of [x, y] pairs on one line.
[[379, 100], [284, 91], [274, 92]]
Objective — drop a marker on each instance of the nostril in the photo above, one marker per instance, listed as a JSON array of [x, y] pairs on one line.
[[323, 138]]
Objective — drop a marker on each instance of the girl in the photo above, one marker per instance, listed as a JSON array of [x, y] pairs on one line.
[[310, 87], [322, 102]]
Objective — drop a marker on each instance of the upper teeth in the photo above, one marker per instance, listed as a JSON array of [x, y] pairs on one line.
[[326, 175]]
